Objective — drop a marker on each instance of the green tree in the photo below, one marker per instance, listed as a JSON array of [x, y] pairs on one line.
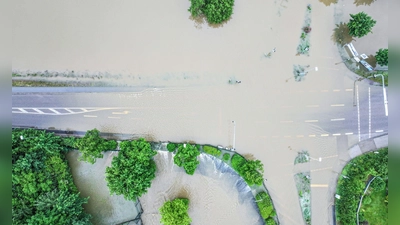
[[171, 147], [378, 184], [186, 157], [382, 57], [360, 24], [175, 212], [212, 150], [132, 171], [252, 171], [264, 204], [226, 157], [216, 11], [92, 145]]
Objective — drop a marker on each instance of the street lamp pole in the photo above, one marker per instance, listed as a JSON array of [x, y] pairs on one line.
[[385, 102], [234, 134]]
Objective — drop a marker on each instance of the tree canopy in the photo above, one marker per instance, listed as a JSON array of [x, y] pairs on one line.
[[132, 171], [251, 170], [382, 57], [43, 191], [360, 24], [186, 157], [92, 145], [175, 212], [216, 11]]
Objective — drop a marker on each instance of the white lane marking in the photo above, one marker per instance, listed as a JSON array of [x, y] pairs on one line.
[[312, 135], [311, 121], [338, 119], [319, 185], [55, 111], [121, 113], [313, 106], [22, 110], [300, 136], [336, 90], [89, 116], [324, 90], [350, 133], [369, 112], [324, 135], [85, 110], [349, 89], [336, 134], [287, 121], [113, 117], [37, 110], [379, 131], [69, 110], [358, 114], [334, 105]]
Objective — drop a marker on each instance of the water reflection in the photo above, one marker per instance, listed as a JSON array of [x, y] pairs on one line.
[[341, 34], [328, 2], [363, 2]]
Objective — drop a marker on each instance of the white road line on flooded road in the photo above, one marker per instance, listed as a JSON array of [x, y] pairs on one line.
[[335, 105], [83, 109], [319, 185], [379, 131], [37, 110], [336, 134], [324, 135], [311, 121], [349, 89], [299, 136], [314, 106], [70, 111], [336, 90], [22, 110], [113, 117], [350, 133], [89, 116], [55, 111], [358, 114], [287, 121], [369, 112], [338, 119], [312, 135]]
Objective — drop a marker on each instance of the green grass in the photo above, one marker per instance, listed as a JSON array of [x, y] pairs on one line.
[[376, 212]]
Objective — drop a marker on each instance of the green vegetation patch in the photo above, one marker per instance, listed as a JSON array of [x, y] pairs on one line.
[[374, 208], [266, 208], [226, 157], [216, 11], [360, 24], [302, 157], [171, 147], [92, 145], [251, 170], [132, 171], [351, 185], [212, 150], [43, 191], [186, 157], [175, 212], [304, 187], [382, 57]]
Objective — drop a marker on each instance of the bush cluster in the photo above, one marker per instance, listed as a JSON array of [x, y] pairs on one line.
[[212, 150], [351, 188], [171, 147], [175, 212], [267, 211], [186, 157], [216, 11], [226, 157], [43, 191], [382, 57], [251, 170]]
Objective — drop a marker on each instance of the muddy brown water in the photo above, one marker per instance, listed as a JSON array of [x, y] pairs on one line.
[[153, 43]]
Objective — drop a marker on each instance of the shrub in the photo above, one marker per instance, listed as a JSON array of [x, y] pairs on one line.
[[212, 150], [175, 212], [226, 157], [132, 170], [216, 11], [270, 221], [382, 57], [367, 200], [251, 170], [378, 184], [237, 161], [186, 157], [171, 147], [264, 204], [91, 146], [360, 24]]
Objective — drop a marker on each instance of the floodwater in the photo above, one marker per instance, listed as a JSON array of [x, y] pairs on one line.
[[217, 194], [155, 43]]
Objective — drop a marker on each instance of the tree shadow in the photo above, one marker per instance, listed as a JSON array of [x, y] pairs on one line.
[[363, 2], [341, 34], [199, 21], [329, 2]]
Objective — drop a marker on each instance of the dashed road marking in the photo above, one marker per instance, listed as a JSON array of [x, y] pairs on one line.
[[55, 111], [70, 111], [349, 89], [311, 121], [358, 113], [336, 90], [22, 110], [312, 135], [89, 116], [379, 131], [299, 136], [324, 135], [338, 119], [350, 133], [37, 110], [319, 185], [113, 117], [335, 105], [336, 134]]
